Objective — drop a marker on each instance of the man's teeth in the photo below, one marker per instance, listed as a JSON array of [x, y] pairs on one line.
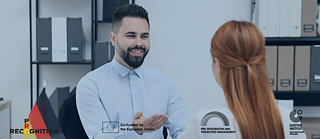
[[137, 52]]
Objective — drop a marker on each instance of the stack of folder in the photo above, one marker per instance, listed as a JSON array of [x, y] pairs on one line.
[[106, 8], [60, 39], [286, 18], [293, 68]]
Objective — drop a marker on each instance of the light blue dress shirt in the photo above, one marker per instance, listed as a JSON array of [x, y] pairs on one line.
[[115, 93]]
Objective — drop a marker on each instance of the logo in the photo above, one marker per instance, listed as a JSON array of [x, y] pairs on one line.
[[28, 130], [215, 129], [110, 127], [213, 114], [295, 116]]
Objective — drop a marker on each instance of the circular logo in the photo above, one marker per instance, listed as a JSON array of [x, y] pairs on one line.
[[294, 116], [212, 114]]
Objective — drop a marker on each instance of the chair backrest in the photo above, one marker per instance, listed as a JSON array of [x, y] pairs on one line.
[[69, 119], [165, 133]]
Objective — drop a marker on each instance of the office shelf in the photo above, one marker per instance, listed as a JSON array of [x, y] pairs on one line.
[[301, 98], [36, 64], [290, 41], [100, 21], [86, 62]]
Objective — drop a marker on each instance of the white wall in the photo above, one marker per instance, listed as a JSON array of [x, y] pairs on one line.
[[181, 32], [14, 58]]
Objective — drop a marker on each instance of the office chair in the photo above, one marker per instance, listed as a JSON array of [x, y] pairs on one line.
[[70, 122]]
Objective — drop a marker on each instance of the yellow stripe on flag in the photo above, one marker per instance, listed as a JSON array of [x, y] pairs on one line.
[[28, 135]]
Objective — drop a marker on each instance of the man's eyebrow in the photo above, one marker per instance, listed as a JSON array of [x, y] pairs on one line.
[[130, 32], [146, 33]]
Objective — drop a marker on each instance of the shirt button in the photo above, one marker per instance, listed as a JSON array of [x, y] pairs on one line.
[[134, 102], [132, 84]]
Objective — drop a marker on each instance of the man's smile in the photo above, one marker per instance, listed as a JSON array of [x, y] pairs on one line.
[[136, 52]]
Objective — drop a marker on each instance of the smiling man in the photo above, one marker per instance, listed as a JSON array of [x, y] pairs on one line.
[[123, 99]]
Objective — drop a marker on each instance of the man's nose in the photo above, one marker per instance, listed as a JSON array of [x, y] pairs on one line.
[[138, 42]]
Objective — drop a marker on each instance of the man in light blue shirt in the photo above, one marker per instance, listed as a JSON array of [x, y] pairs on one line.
[[123, 99]]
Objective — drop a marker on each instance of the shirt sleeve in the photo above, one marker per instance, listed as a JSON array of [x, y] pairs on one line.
[[92, 113], [176, 112]]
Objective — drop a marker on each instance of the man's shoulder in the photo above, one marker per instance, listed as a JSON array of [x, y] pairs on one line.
[[98, 72]]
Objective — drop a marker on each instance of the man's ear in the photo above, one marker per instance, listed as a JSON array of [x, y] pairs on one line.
[[113, 38]]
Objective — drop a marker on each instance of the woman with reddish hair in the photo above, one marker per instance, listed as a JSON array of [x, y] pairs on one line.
[[239, 67]]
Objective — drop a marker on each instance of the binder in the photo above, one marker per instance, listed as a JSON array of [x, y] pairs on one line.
[[59, 39], [315, 68], [285, 68], [274, 18], [57, 97], [262, 16], [285, 12], [271, 58], [111, 51], [110, 6], [253, 15], [99, 9], [75, 39], [295, 18], [44, 41], [302, 68], [101, 54], [308, 18]]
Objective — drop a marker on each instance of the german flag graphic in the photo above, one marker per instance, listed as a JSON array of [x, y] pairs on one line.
[[42, 123]]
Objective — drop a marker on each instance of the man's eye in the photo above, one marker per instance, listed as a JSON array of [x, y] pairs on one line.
[[144, 36], [130, 36]]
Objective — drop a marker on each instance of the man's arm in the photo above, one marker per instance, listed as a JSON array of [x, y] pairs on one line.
[[92, 113], [176, 112]]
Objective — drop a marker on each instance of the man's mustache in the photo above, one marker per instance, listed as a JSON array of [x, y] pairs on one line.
[[137, 47]]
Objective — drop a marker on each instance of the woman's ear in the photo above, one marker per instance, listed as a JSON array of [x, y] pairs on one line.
[[217, 64]]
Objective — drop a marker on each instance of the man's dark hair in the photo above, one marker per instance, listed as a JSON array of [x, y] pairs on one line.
[[128, 10]]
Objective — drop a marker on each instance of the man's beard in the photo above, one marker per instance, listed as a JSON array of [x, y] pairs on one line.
[[132, 61]]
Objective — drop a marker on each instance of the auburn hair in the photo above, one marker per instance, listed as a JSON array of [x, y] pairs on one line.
[[240, 48]]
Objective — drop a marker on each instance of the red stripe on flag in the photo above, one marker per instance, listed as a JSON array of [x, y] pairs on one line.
[[37, 122]]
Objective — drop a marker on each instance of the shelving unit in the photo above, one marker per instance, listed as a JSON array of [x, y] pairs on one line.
[[283, 41], [35, 4], [95, 23], [37, 63], [301, 98], [86, 62]]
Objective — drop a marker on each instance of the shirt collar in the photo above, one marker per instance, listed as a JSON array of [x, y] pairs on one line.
[[123, 71]]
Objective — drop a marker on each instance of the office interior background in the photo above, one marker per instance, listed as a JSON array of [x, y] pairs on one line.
[[180, 35]]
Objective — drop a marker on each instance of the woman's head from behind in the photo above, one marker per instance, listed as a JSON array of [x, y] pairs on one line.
[[238, 54], [236, 44]]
